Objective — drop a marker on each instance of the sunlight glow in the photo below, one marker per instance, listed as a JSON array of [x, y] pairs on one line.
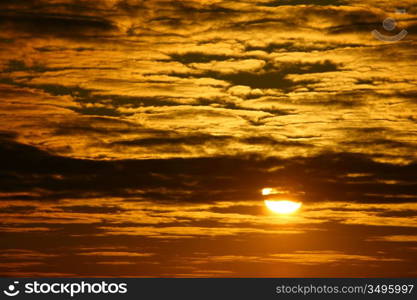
[[283, 206], [266, 191]]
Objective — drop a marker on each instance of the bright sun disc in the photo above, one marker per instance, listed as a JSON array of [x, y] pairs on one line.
[[282, 207], [266, 191]]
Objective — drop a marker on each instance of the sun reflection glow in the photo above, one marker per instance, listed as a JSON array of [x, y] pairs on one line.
[[283, 206]]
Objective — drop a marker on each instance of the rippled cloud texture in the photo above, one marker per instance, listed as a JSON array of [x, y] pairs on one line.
[[136, 137]]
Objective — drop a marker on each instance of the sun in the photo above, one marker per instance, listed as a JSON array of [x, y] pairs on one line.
[[267, 191], [283, 206]]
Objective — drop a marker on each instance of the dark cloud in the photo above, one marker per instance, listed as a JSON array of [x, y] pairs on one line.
[[265, 140], [354, 17], [55, 24], [270, 77], [209, 101], [300, 46], [18, 65], [277, 3], [176, 143], [375, 23], [198, 57], [4, 135], [382, 142], [18, 209], [26, 169], [197, 139], [410, 95], [91, 209], [98, 111]]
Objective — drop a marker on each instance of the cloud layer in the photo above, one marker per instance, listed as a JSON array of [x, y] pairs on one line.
[[143, 132]]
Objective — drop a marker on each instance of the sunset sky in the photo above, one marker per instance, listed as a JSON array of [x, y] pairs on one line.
[[137, 136]]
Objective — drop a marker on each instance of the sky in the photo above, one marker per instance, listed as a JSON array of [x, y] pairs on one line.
[[136, 138]]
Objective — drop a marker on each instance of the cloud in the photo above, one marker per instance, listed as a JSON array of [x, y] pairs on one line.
[[61, 26], [302, 2], [395, 238], [116, 254], [270, 77], [303, 258], [157, 123], [46, 176]]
